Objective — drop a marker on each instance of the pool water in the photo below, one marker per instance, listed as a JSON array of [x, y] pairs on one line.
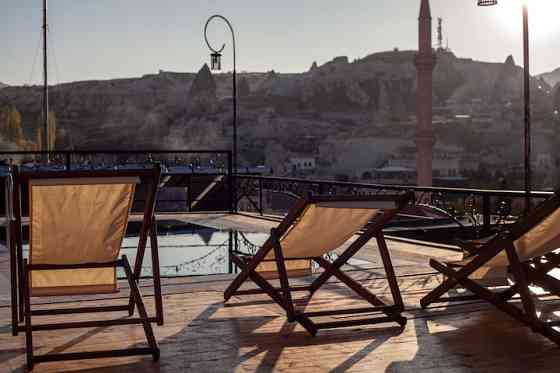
[[205, 251], [189, 249]]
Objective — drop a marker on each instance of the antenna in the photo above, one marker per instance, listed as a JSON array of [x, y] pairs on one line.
[[440, 34]]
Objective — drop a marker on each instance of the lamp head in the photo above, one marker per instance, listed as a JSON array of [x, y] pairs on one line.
[[216, 61], [487, 2]]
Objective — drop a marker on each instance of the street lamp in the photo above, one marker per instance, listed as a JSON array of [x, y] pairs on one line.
[[216, 61], [216, 64], [527, 98], [487, 2]]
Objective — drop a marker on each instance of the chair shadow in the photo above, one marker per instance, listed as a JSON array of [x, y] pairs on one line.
[[287, 337], [9, 353], [6, 355], [488, 342], [213, 342]]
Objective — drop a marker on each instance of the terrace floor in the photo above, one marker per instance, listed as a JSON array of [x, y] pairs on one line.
[[250, 333]]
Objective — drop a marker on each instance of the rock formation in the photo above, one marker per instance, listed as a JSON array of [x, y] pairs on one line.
[[332, 106], [243, 88], [202, 95], [552, 77]]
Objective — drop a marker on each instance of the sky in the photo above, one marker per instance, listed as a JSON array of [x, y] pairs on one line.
[[102, 39]]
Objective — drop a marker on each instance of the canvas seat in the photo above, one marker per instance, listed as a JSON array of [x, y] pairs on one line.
[[77, 221], [527, 251], [315, 226]]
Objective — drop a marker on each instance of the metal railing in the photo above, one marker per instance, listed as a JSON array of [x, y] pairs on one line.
[[477, 209], [202, 177], [190, 172]]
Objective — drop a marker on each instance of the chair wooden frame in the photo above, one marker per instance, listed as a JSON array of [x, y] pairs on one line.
[[523, 273], [283, 295], [20, 269]]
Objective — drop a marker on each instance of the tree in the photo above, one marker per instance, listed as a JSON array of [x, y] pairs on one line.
[[52, 130], [10, 125], [51, 127], [39, 138]]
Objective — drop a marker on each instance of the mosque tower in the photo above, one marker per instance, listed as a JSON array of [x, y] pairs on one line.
[[425, 62]]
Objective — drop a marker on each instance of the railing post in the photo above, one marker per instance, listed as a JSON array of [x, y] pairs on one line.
[[235, 243], [230, 252], [261, 197], [231, 182], [486, 213], [189, 193], [68, 161]]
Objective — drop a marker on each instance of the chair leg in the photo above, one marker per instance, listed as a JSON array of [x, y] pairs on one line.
[[361, 291], [339, 262], [135, 293], [155, 272], [484, 294], [15, 285], [504, 306], [21, 279], [284, 282], [463, 273], [273, 293], [390, 271], [143, 239], [246, 269], [521, 281], [27, 317]]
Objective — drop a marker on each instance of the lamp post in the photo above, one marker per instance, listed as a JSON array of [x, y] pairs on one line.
[[46, 141], [527, 98], [216, 64]]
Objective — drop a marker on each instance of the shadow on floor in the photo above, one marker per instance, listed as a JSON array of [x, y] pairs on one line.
[[218, 342], [477, 342]]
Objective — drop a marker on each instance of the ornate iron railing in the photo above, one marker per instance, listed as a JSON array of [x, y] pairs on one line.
[[479, 210], [191, 172]]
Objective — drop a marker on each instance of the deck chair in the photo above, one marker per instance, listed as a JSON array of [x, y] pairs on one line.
[[527, 249], [77, 221], [315, 226]]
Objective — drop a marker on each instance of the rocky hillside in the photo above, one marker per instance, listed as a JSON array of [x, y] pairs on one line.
[[333, 110], [552, 77]]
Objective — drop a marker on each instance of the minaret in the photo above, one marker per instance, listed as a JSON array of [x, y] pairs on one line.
[[425, 62]]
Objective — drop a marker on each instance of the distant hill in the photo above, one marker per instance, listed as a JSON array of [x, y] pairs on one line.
[[552, 77], [2, 85], [335, 110]]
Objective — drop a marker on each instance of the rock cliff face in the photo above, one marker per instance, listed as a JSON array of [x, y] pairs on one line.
[[202, 95], [333, 103], [552, 77]]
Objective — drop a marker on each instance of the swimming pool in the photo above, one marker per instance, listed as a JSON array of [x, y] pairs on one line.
[[200, 251], [187, 249]]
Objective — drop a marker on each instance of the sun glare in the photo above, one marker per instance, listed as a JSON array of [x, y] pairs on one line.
[[543, 16]]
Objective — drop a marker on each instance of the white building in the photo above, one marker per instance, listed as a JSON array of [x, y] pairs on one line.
[[441, 167], [301, 164]]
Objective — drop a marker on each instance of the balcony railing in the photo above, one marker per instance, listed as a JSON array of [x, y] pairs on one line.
[[203, 180], [192, 180], [478, 212]]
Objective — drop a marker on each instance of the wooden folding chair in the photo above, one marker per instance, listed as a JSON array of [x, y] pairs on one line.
[[77, 221], [527, 250], [315, 226]]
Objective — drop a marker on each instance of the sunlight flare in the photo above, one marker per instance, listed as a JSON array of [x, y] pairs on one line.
[[543, 16]]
